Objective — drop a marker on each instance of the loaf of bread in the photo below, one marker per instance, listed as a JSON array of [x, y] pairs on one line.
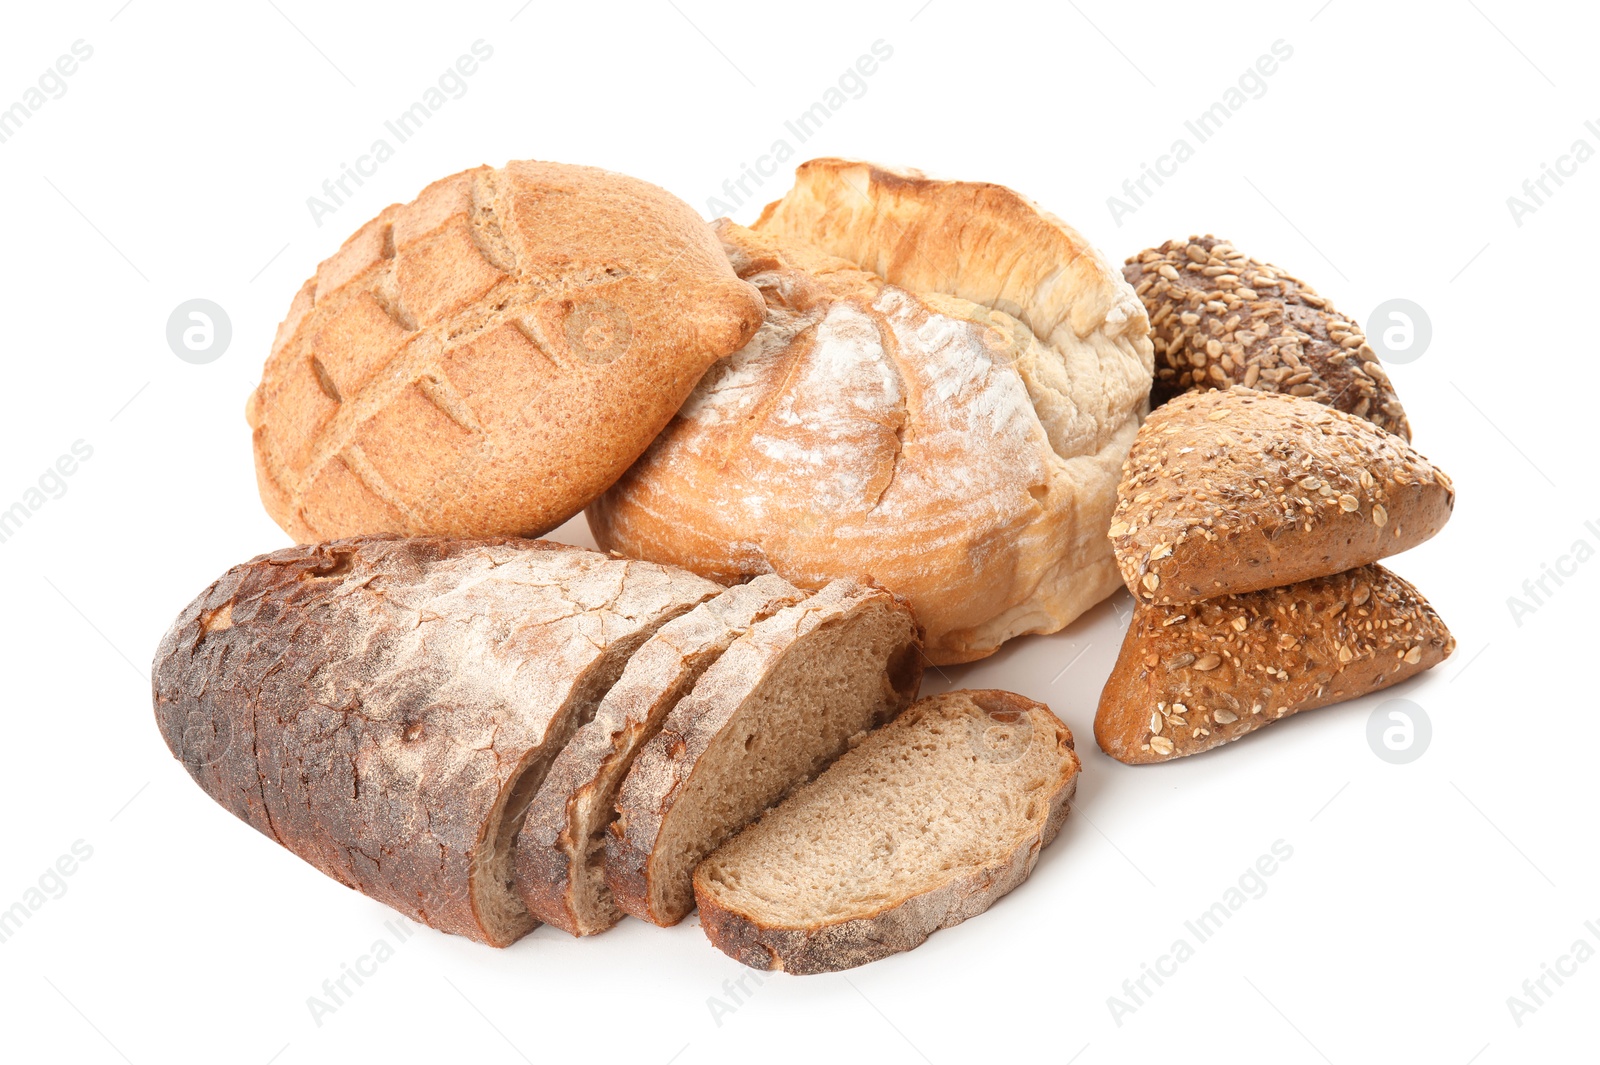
[[560, 869], [1193, 676], [489, 357], [923, 824], [782, 702], [943, 390], [384, 708], [1238, 490], [1221, 318]]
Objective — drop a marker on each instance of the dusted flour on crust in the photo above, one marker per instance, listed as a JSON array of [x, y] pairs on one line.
[[939, 443]]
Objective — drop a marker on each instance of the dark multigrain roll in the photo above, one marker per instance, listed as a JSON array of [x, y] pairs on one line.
[[1193, 676], [384, 707], [1220, 318]]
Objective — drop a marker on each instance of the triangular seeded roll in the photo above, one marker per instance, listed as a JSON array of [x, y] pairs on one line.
[[384, 707], [1220, 318], [560, 852], [1192, 677], [1235, 491], [779, 705], [923, 824]]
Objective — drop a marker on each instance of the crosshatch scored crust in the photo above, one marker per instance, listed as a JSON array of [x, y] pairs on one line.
[[1238, 490], [489, 357], [943, 390], [1192, 676], [924, 823], [1220, 318]]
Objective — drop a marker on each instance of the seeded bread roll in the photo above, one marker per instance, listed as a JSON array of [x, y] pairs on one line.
[[944, 388], [384, 708], [489, 357], [926, 822], [1237, 490], [560, 869], [781, 703], [1220, 318], [1194, 676]]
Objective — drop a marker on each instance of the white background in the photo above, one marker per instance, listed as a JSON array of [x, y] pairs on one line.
[[1377, 165]]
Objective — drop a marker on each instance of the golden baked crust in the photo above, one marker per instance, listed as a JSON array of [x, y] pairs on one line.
[[1235, 491], [489, 357], [1221, 318], [940, 397], [1194, 676]]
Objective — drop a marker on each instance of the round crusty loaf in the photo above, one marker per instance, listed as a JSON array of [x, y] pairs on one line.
[[941, 396], [1238, 490], [384, 708], [489, 357], [1194, 676]]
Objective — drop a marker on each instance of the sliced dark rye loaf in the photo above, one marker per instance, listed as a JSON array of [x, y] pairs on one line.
[[384, 708], [779, 705], [561, 850], [923, 824]]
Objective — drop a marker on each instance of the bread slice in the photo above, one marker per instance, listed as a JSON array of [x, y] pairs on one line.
[[384, 708], [1234, 491], [1192, 677], [780, 704], [560, 852], [922, 825]]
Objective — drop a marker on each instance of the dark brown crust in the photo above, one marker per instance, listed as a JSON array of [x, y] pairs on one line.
[[907, 923], [317, 694], [1266, 655], [667, 763], [591, 766], [1234, 491], [1253, 324]]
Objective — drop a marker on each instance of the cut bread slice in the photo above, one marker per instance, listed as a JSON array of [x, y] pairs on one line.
[[781, 703], [561, 850], [925, 823]]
